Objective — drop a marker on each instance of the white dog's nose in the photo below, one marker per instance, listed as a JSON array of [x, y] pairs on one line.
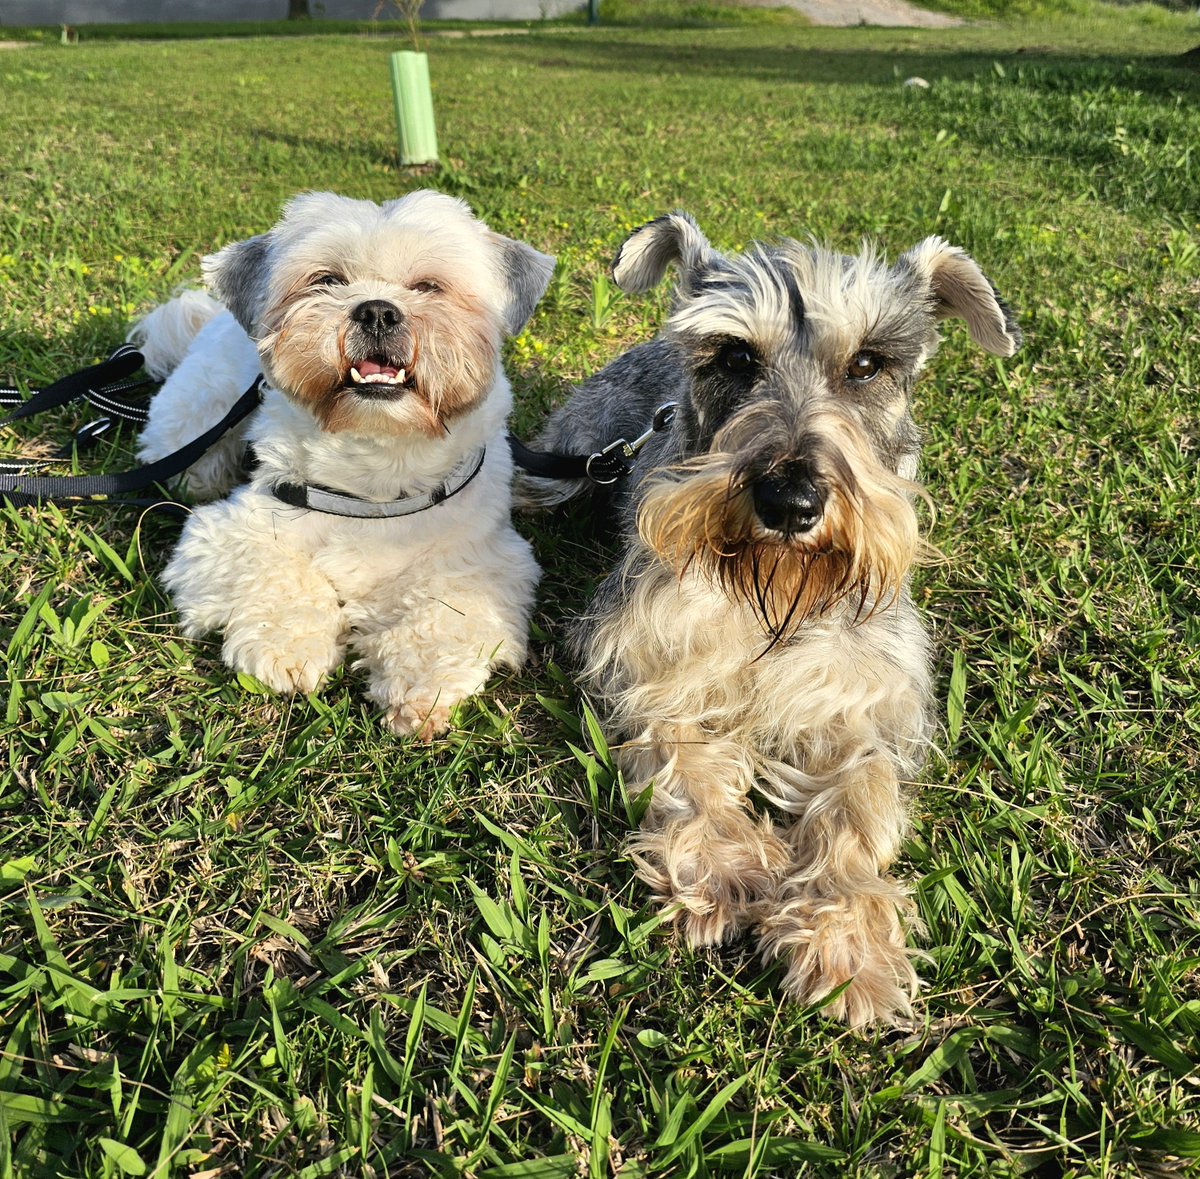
[[376, 316]]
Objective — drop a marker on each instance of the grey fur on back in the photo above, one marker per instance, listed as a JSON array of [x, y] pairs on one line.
[[617, 402]]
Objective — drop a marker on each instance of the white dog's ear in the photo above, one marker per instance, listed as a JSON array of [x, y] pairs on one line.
[[237, 275], [525, 273], [646, 253], [960, 288]]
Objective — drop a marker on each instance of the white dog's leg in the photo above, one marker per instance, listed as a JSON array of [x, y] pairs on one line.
[[281, 617], [218, 367], [432, 651], [421, 668]]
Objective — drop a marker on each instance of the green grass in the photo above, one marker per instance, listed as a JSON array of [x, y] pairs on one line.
[[242, 935], [1136, 11]]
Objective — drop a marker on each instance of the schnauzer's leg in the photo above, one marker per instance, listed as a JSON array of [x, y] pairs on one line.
[[700, 848], [837, 917], [435, 647], [281, 618]]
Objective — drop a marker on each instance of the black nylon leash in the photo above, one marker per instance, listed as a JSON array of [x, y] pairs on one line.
[[112, 398], [96, 381], [107, 384], [547, 464], [104, 384], [26, 489]]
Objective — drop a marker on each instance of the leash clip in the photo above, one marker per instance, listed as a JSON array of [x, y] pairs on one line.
[[606, 466]]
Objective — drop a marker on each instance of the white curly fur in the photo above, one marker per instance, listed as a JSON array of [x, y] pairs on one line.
[[427, 603]]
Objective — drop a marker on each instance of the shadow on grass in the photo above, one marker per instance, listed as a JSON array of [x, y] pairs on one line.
[[852, 64], [1028, 104]]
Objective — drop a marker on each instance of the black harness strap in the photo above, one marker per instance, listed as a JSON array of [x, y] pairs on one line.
[[602, 467]]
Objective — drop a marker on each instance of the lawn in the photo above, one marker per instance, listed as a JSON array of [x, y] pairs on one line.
[[241, 935]]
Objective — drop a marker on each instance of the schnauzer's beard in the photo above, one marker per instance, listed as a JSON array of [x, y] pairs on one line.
[[448, 347], [700, 513]]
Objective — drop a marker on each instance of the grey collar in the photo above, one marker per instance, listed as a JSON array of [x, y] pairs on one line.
[[340, 503]]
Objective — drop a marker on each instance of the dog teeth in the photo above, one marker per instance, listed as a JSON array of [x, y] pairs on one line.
[[377, 378]]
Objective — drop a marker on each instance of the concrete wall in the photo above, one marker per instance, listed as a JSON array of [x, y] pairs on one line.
[[82, 12]]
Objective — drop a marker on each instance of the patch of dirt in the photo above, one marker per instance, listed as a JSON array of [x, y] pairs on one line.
[[894, 13]]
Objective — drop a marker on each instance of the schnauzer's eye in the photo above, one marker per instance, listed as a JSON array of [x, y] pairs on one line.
[[427, 287], [737, 357], [866, 366], [328, 280]]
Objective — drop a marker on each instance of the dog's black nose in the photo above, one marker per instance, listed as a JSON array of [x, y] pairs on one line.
[[791, 505], [376, 316]]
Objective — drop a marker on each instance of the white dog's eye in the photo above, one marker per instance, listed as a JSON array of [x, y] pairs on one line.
[[426, 287], [328, 279]]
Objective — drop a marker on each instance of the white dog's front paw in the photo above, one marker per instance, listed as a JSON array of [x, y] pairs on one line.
[[418, 717], [285, 663]]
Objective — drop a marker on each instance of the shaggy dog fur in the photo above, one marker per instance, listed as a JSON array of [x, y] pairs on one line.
[[758, 638], [378, 329]]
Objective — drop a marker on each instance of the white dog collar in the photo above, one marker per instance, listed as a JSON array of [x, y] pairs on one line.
[[340, 503]]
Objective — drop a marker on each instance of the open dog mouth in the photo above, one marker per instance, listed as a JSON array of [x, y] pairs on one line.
[[378, 376]]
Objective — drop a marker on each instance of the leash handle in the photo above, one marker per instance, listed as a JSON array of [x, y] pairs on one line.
[[28, 490], [120, 366]]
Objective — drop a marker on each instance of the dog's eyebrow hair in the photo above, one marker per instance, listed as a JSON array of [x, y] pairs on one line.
[[793, 289]]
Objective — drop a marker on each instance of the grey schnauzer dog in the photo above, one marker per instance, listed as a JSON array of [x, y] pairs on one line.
[[757, 636]]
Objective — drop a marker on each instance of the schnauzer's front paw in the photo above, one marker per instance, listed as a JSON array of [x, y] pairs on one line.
[[417, 717], [828, 942], [285, 664], [709, 874]]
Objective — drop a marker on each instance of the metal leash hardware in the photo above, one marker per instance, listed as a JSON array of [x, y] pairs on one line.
[[614, 461]]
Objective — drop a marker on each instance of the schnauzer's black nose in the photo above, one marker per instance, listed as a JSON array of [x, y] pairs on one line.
[[788, 505], [376, 316]]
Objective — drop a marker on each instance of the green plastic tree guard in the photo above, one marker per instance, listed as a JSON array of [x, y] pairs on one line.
[[414, 107]]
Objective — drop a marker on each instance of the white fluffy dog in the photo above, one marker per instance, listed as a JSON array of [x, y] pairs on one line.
[[377, 512]]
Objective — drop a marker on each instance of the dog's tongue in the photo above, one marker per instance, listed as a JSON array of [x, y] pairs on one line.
[[371, 368]]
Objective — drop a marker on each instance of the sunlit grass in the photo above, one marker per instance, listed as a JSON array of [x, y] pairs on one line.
[[248, 936]]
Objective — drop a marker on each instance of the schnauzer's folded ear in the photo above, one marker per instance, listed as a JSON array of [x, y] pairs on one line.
[[526, 274], [647, 252], [237, 275], [961, 288]]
